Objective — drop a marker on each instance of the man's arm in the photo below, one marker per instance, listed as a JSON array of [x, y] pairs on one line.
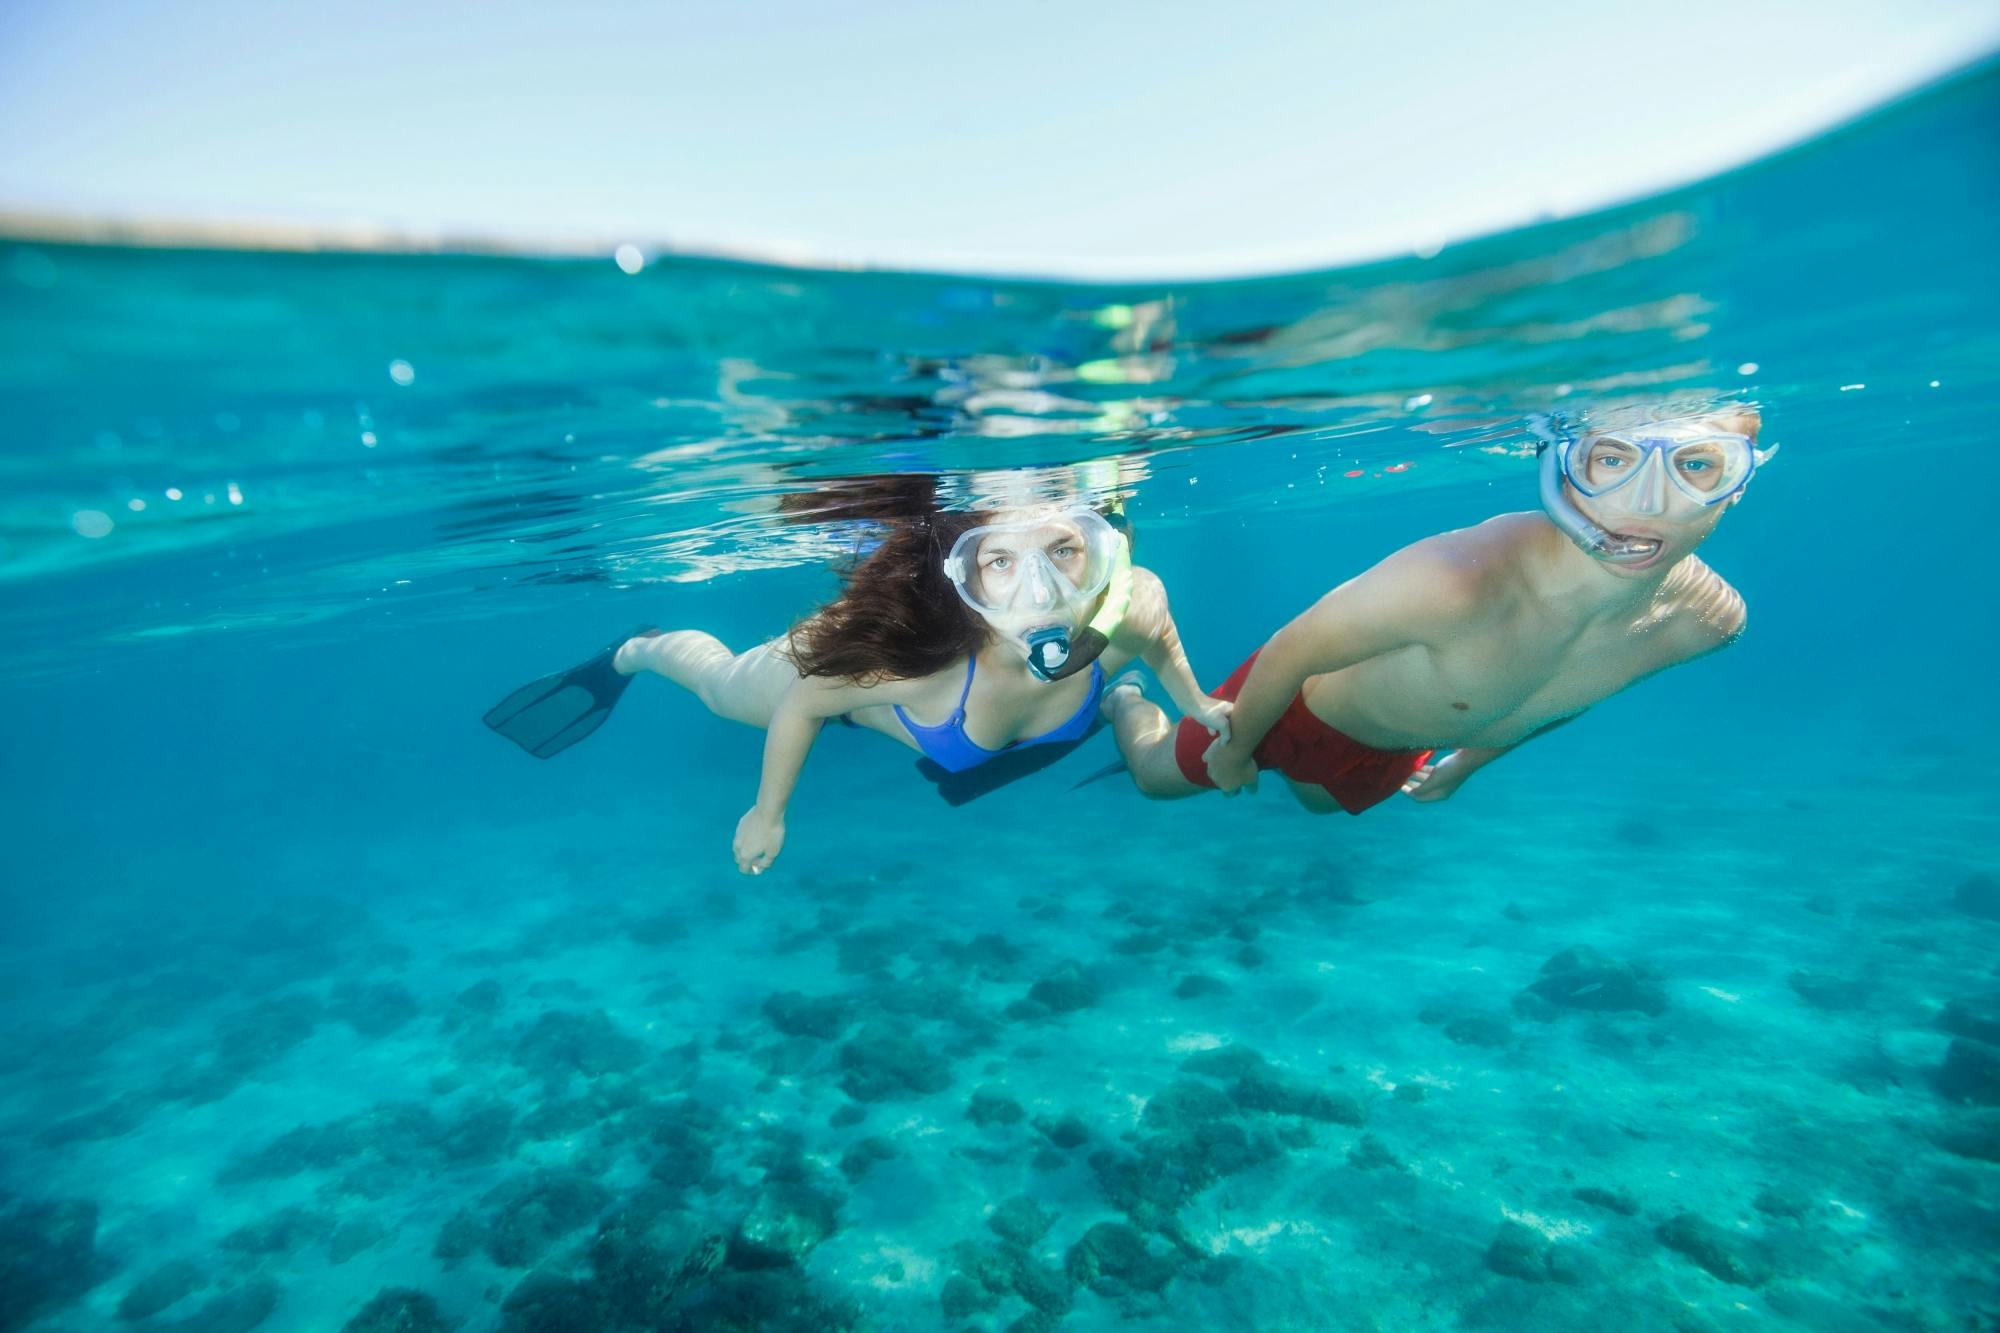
[[1415, 596], [1436, 781]]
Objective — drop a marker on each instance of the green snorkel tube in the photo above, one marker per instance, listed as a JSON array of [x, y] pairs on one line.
[[1091, 641]]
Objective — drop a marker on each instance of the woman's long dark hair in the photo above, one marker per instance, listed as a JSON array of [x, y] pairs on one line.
[[897, 616]]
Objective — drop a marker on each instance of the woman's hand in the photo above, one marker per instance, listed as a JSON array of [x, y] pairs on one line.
[[1230, 773], [760, 836], [1213, 714], [1436, 782]]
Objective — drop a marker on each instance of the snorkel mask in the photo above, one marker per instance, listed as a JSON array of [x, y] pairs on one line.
[[1631, 470], [1034, 579]]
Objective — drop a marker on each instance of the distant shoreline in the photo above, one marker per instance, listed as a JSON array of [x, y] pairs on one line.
[[28, 226]]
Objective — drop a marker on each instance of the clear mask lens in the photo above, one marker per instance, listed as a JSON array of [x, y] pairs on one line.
[[1706, 469], [1046, 564]]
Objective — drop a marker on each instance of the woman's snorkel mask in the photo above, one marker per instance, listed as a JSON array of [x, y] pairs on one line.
[[1033, 580], [1633, 470]]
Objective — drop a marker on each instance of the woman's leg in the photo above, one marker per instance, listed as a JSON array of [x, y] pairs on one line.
[[743, 687], [1146, 739]]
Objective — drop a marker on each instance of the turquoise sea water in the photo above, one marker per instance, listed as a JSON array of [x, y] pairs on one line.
[[311, 989]]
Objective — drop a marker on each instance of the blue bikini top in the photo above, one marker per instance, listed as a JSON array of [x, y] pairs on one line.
[[947, 745]]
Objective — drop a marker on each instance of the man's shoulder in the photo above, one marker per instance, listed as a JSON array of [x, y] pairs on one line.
[[1504, 541], [1471, 565], [1708, 611]]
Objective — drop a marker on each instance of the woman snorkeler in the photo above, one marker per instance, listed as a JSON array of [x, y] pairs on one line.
[[965, 636]]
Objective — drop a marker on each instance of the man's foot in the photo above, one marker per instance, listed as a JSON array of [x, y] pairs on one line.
[[1121, 693]]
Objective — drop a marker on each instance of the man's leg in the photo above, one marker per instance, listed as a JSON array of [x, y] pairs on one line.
[[1314, 797], [1146, 739]]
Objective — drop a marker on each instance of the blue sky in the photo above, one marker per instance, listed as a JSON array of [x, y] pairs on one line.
[[1107, 139]]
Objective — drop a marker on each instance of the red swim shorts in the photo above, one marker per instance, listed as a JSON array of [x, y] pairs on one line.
[[1306, 749]]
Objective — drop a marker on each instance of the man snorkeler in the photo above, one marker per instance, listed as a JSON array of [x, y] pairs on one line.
[[1473, 642]]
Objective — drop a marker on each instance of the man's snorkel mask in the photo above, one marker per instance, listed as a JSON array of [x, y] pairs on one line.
[[1632, 470], [1034, 578]]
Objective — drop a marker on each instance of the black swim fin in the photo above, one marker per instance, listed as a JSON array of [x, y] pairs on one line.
[[547, 716], [1116, 766]]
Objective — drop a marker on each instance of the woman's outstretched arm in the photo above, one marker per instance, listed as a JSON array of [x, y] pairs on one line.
[[788, 739]]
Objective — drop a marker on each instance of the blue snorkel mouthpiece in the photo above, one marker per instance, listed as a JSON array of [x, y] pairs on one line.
[[1048, 650]]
